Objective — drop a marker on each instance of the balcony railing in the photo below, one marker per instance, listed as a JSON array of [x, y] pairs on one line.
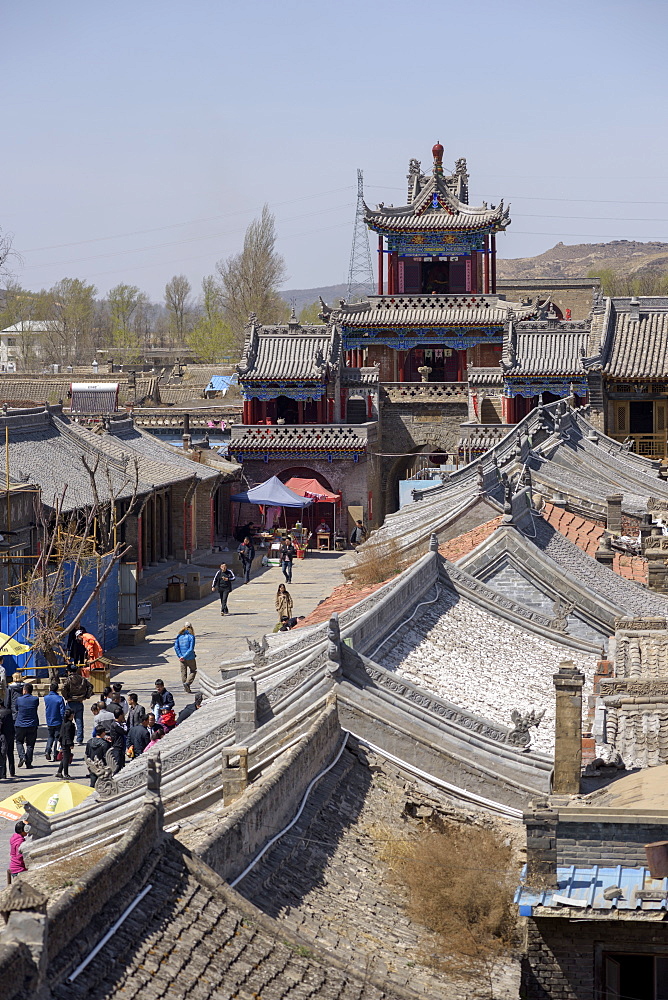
[[650, 445], [266, 438], [426, 392]]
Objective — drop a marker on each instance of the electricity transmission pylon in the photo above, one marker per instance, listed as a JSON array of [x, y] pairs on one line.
[[360, 272]]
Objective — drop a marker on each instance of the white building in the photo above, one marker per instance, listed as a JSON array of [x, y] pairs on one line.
[[21, 345]]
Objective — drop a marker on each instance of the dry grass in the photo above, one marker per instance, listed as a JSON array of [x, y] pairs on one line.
[[460, 885], [376, 564]]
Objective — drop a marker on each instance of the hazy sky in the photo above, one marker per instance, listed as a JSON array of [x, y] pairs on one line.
[[141, 137]]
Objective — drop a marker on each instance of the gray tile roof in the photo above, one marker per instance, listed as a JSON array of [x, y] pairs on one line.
[[275, 353], [625, 347], [169, 462], [547, 348], [360, 376], [451, 213], [200, 939], [431, 310], [47, 451], [311, 438]]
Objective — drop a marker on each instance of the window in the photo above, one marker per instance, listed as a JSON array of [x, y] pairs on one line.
[[11, 341], [636, 977]]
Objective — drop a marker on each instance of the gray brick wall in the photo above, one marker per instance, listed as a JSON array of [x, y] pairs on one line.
[[564, 958]]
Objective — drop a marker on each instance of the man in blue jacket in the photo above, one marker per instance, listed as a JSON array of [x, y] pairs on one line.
[[54, 707], [26, 725], [184, 647]]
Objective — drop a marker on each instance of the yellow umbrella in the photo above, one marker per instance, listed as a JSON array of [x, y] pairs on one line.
[[48, 796], [10, 647]]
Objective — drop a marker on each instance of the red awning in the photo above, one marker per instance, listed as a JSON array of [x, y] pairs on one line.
[[313, 490]]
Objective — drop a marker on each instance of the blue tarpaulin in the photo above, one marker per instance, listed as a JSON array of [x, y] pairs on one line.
[[273, 493], [101, 617], [221, 383]]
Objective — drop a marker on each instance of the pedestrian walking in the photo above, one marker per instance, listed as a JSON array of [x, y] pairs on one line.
[[359, 535], [283, 602], [16, 860], [67, 734], [136, 712], [246, 553], [184, 647], [54, 710], [287, 555], [26, 725], [7, 737], [222, 582], [76, 690], [162, 703]]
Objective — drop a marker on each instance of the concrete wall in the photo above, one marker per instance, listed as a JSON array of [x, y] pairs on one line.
[[268, 805], [564, 958]]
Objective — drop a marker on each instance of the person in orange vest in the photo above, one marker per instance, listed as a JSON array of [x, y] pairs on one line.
[[93, 651]]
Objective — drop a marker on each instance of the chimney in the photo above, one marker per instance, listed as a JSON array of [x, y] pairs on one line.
[[245, 699], [604, 554], [568, 683], [614, 514], [634, 309], [186, 431], [541, 831], [235, 776]]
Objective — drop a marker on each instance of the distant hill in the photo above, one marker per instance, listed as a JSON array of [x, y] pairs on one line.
[[305, 296], [625, 257]]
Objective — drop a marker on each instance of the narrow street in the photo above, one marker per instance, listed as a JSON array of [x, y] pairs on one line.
[[252, 614]]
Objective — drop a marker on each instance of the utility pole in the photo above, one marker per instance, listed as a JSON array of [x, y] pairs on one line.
[[360, 272]]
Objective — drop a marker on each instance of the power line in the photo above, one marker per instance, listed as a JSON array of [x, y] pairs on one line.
[[190, 222], [172, 243]]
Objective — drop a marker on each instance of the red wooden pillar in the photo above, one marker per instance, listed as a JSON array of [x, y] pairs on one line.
[[300, 409], [380, 265], [264, 410], [461, 366], [494, 263], [486, 265], [246, 414], [474, 271], [402, 366]]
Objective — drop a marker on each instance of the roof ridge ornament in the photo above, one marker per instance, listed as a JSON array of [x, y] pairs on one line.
[[437, 152]]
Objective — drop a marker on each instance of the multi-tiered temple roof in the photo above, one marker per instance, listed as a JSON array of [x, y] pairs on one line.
[[437, 204]]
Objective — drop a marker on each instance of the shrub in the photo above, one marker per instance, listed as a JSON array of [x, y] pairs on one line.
[[376, 563], [460, 886]]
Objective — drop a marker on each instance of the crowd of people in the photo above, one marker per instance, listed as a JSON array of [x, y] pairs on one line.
[[121, 728]]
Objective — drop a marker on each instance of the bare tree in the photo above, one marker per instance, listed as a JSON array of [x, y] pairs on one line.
[[177, 293], [6, 253], [73, 546], [250, 279]]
